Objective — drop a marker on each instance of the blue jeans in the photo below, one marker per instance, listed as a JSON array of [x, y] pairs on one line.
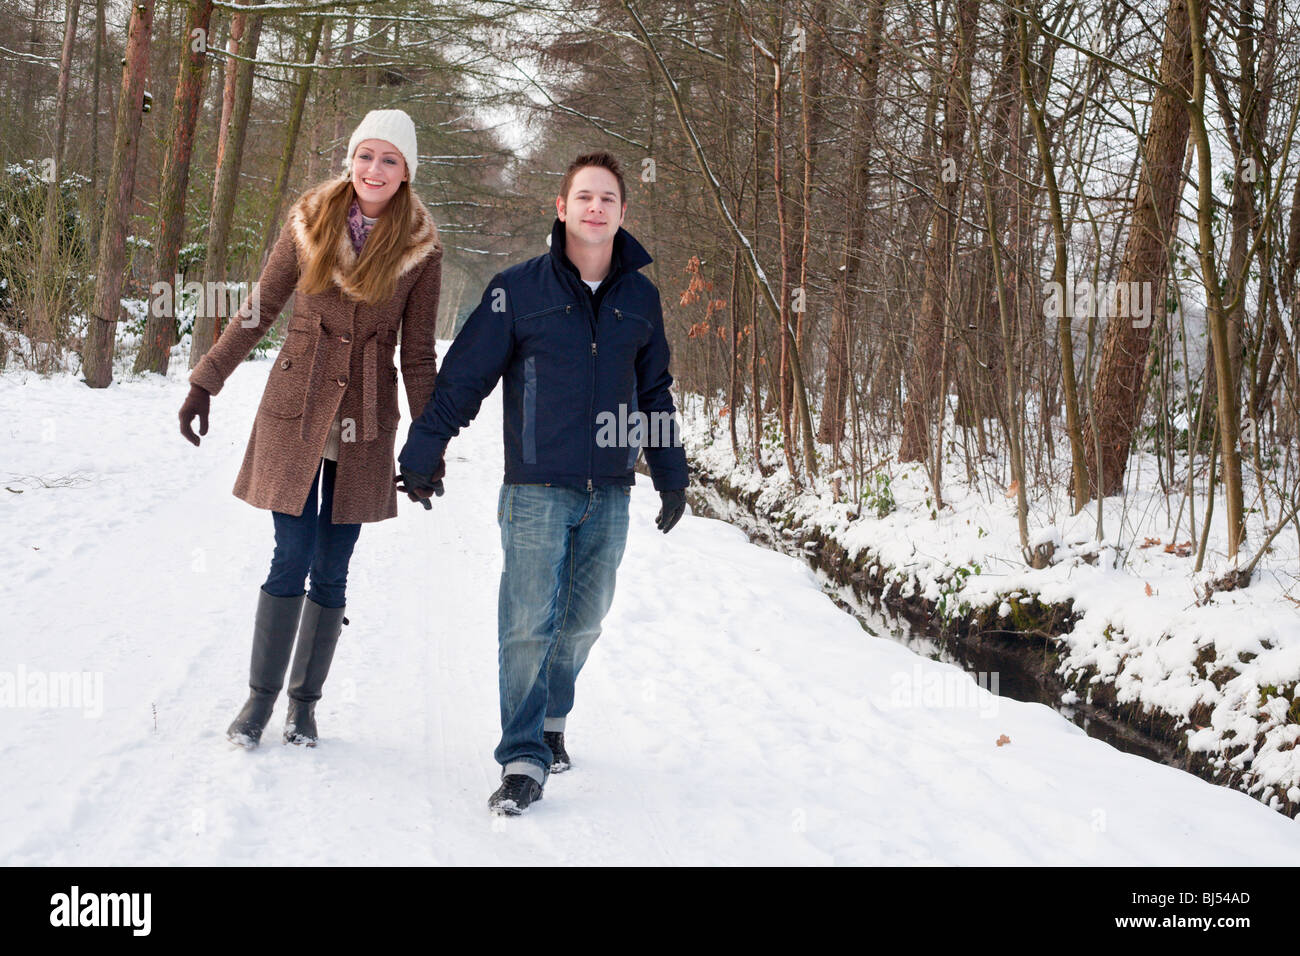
[[312, 542], [562, 550]]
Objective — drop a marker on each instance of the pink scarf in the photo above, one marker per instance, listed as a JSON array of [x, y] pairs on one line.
[[358, 228]]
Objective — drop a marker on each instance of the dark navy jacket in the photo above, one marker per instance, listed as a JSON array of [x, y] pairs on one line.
[[567, 356]]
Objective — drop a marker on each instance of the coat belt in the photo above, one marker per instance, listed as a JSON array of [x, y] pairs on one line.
[[369, 378]]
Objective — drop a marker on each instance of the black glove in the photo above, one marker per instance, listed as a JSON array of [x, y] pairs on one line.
[[421, 487], [196, 403], [671, 512]]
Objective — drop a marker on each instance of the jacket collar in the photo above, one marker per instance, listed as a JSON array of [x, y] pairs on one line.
[[629, 255], [423, 240]]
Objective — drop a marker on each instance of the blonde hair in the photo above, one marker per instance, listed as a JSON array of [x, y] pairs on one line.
[[374, 277]]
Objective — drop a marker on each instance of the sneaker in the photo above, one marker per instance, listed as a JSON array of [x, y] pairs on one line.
[[516, 793], [559, 756]]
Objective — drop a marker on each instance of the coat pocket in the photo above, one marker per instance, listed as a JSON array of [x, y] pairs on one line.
[[620, 314], [631, 328], [300, 332], [287, 387], [548, 312]]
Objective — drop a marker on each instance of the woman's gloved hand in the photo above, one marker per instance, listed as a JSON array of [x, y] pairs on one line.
[[196, 403]]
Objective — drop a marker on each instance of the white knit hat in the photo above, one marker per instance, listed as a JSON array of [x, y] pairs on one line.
[[392, 126]]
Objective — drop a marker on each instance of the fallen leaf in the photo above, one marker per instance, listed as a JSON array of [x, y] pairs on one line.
[[1013, 488], [1149, 542], [1004, 739], [1148, 590]]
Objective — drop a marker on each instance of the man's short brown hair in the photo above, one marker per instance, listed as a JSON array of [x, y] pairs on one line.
[[604, 161]]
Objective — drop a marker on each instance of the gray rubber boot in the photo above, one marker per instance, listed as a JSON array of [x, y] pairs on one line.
[[273, 632], [318, 635]]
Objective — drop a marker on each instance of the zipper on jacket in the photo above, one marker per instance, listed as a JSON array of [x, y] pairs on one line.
[[591, 398], [591, 404]]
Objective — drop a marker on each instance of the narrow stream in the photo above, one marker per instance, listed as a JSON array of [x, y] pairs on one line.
[[1008, 667]]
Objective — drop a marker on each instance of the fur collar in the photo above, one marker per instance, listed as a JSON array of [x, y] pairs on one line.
[[422, 243]]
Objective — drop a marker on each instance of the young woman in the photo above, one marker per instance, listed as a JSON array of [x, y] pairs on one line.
[[362, 259]]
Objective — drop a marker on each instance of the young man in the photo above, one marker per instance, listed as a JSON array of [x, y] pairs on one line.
[[578, 334]]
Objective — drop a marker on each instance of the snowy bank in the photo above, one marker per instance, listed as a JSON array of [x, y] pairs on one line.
[[1131, 632]]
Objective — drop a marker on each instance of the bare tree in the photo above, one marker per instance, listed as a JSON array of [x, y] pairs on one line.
[[1116, 394], [101, 328], [160, 330]]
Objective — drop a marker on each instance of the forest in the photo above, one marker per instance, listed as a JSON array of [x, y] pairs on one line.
[[1039, 239]]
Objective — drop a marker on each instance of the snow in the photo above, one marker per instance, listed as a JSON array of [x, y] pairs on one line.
[[1159, 648], [729, 714]]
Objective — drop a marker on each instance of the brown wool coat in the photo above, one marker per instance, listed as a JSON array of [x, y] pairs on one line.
[[337, 359]]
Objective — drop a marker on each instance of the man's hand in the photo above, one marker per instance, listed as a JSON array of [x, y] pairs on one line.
[[421, 487], [674, 504], [196, 403]]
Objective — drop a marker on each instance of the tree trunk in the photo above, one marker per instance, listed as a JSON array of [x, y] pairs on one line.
[[342, 98], [314, 147], [290, 142], [160, 330], [229, 79], [94, 118], [49, 298], [733, 358], [27, 71], [843, 308], [931, 321], [1229, 405], [783, 299], [1060, 272], [101, 327], [756, 398], [226, 187], [1116, 397]]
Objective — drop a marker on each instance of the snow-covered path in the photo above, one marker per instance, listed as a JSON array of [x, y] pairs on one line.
[[729, 714]]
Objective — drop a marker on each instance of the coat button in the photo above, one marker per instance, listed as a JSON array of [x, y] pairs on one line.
[[618, 315], [568, 308], [285, 363], [343, 381], [345, 338]]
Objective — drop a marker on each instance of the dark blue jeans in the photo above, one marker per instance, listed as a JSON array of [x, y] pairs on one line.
[[562, 550], [311, 542]]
